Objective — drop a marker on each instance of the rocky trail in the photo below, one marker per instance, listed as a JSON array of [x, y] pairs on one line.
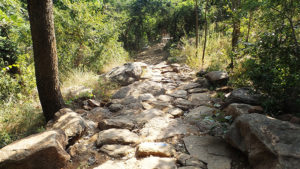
[[163, 117]]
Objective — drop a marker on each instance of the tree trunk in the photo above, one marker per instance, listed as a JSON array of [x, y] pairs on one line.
[[205, 32], [45, 57], [236, 27], [197, 32], [249, 26]]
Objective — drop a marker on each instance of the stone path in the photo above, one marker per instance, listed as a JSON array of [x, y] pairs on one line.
[[164, 119]]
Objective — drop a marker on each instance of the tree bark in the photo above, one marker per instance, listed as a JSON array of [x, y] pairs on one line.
[[45, 57], [236, 28], [205, 32], [249, 26], [197, 32]]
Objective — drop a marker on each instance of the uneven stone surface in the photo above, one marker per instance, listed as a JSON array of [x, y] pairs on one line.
[[117, 136], [199, 98], [188, 160], [200, 113], [162, 127], [128, 73], [176, 112], [212, 150], [44, 150], [164, 107], [269, 143], [243, 95], [116, 150], [73, 125], [237, 109], [217, 76], [156, 162], [122, 123], [160, 149]]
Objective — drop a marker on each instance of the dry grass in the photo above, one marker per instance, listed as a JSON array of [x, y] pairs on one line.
[[216, 57]]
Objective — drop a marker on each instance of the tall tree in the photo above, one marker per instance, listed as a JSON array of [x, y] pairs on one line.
[[205, 32], [197, 29], [45, 57], [236, 24]]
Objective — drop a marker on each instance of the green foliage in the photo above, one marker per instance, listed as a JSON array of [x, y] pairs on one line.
[[87, 37]]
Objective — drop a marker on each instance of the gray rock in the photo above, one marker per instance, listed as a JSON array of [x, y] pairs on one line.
[[117, 122], [94, 103], [200, 98], [72, 124], [183, 103], [115, 107], [176, 112], [127, 74], [198, 90], [117, 151], [203, 81], [243, 95], [161, 105], [269, 143], [44, 150], [117, 136], [132, 163], [212, 150], [159, 128], [98, 113], [178, 94], [157, 162], [190, 86], [237, 109], [147, 97], [188, 160], [217, 76], [199, 113], [159, 149], [122, 93], [147, 115], [165, 98]]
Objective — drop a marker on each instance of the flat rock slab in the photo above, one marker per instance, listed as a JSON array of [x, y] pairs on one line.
[[212, 150], [161, 128], [44, 150], [73, 125], [199, 113], [121, 122], [176, 112], [117, 136], [117, 151], [188, 160], [157, 162], [120, 164], [147, 115], [165, 98], [190, 86], [146, 163], [198, 90], [159, 149], [178, 93], [200, 98]]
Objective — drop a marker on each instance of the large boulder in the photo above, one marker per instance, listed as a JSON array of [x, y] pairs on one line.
[[73, 125], [269, 143], [127, 74], [237, 109], [243, 95], [217, 77], [44, 150]]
